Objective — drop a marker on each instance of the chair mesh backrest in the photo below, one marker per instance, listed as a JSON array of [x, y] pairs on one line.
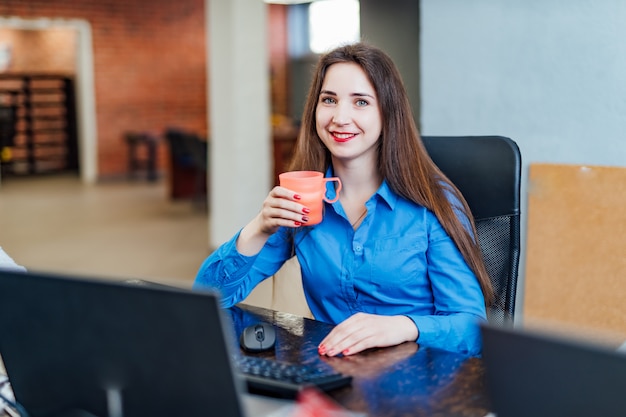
[[487, 171], [495, 236]]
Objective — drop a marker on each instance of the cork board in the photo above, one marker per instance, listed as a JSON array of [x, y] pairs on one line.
[[576, 247]]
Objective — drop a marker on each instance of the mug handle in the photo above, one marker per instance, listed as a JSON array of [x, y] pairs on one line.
[[336, 190]]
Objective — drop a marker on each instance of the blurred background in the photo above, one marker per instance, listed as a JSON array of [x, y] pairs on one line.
[[109, 104], [125, 195]]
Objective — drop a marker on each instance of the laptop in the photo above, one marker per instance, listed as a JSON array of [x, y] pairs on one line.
[[531, 373], [75, 346]]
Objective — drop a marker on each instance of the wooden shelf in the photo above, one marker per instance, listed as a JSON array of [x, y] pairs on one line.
[[41, 130]]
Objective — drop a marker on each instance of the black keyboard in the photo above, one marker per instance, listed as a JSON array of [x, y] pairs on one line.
[[269, 376]]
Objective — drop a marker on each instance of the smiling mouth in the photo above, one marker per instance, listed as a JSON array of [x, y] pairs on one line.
[[343, 137]]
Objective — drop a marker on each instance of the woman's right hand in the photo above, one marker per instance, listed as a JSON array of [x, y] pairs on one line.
[[280, 208]]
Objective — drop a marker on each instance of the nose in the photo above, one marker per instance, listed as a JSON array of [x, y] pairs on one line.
[[341, 115]]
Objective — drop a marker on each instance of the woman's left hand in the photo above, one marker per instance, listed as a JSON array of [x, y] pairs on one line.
[[363, 331]]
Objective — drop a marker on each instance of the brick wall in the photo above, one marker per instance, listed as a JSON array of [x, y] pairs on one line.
[[150, 66], [279, 71], [37, 51]]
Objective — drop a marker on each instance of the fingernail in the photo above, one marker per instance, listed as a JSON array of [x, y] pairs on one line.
[[297, 223], [297, 196], [345, 352], [305, 218], [321, 349], [306, 210]]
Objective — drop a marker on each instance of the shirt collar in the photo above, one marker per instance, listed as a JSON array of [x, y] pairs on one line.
[[387, 194]]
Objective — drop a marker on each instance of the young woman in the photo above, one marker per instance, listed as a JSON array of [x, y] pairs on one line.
[[396, 258]]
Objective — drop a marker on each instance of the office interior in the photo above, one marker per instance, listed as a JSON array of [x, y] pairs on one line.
[[222, 69]]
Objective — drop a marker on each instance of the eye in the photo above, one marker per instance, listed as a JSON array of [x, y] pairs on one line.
[[362, 103], [328, 100]]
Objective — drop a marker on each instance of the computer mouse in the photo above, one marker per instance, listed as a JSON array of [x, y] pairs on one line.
[[258, 337]]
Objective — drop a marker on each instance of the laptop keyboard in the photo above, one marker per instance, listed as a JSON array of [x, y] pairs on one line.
[[264, 375]]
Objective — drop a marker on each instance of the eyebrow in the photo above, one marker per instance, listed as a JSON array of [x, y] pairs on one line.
[[351, 95]]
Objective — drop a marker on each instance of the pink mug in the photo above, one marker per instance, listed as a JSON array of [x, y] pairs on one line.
[[311, 186]]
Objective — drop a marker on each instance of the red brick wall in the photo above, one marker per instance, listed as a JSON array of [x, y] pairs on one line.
[[150, 66], [37, 51], [277, 26]]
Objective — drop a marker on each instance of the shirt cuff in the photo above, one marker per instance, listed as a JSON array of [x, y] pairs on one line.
[[458, 333], [236, 265]]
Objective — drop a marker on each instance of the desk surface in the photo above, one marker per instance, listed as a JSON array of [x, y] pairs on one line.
[[399, 381]]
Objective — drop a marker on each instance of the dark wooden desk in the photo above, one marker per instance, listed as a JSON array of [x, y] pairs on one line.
[[398, 381]]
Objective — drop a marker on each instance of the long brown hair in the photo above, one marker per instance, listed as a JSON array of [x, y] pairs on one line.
[[402, 158]]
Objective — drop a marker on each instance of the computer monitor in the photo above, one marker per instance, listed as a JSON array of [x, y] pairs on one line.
[[89, 347], [532, 373]]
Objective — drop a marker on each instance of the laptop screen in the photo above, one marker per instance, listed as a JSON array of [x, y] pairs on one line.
[[531, 373], [76, 344]]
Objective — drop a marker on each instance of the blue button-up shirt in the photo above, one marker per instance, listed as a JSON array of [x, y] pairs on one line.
[[399, 261]]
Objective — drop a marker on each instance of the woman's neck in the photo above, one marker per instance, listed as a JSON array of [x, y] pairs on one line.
[[359, 179]]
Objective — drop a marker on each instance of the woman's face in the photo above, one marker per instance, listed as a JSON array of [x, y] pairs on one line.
[[348, 118]]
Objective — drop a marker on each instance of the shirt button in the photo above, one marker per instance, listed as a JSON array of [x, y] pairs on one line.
[[358, 248]]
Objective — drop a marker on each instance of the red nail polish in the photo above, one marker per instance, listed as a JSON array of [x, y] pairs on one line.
[[297, 196], [305, 218], [297, 223], [306, 210], [346, 351]]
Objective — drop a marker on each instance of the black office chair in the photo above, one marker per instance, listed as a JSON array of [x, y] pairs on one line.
[[189, 151], [487, 171]]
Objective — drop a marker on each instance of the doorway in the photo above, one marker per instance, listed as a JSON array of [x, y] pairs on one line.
[[83, 85]]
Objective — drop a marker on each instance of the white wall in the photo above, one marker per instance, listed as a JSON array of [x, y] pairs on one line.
[[549, 74]]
